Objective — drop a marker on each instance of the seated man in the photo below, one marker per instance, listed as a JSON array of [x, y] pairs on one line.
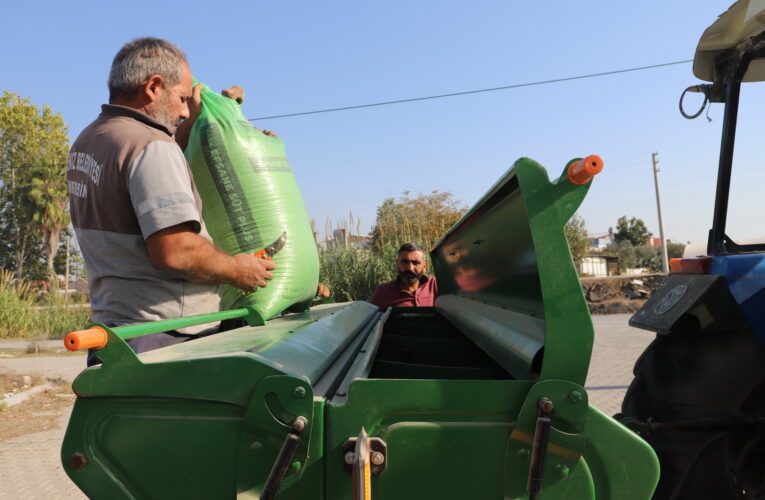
[[411, 288]]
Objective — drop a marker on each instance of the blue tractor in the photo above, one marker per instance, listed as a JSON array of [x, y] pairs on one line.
[[698, 396]]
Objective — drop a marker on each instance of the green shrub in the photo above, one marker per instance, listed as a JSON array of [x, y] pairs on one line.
[[16, 302], [675, 250], [353, 273], [51, 315], [57, 315]]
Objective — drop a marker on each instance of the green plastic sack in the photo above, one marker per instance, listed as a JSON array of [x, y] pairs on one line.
[[249, 197]]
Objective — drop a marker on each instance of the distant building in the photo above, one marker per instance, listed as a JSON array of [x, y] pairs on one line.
[[340, 238], [599, 265], [601, 242], [655, 242]]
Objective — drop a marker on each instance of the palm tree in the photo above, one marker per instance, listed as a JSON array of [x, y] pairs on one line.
[[48, 195]]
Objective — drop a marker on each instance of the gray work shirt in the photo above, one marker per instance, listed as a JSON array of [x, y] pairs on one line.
[[128, 179]]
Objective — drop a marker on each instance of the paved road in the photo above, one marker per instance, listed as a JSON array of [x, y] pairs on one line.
[[30, 465], [617, 347], [66, 367]]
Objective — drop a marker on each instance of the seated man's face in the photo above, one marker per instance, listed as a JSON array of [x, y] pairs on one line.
[[411, 266]]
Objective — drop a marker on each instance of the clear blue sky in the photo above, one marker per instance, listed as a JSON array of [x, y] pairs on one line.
[[302, 56]]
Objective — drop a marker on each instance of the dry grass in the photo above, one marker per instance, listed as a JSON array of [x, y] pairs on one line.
[[41, 412], [10, 382]]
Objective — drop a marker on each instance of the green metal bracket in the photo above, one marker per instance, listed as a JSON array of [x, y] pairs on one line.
[[277, 401], [116, 351], [567, 435], [569, 332]]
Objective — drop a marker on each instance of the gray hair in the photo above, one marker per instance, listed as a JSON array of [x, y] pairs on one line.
[[138, 60]]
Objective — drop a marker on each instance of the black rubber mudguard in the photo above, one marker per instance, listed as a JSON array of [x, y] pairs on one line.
[[703, 299]]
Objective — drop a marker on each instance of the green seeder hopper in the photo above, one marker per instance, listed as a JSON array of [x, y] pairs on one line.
[[479, 397]]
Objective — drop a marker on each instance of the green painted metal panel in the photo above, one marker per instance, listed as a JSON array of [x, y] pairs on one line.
[[180, 448], [624, 465], [227, 366], [458, 439], [114, 435], [442, 436], [260, 376]]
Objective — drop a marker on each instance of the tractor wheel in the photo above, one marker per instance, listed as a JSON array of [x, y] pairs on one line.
[[691, 376]]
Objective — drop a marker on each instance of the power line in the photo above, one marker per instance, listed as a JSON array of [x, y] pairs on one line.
[[454, 94]]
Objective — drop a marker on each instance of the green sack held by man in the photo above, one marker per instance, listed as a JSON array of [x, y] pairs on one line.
[[249, 199]]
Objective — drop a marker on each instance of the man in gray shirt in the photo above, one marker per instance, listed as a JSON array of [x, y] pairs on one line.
[[135, 208]]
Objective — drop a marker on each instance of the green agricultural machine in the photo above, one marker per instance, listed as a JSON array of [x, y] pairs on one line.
[[479, 397]]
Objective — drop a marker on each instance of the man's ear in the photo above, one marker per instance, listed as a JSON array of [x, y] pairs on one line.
[[153, 87]]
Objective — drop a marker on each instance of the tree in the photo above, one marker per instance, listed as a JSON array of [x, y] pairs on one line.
[[76, 262], [33, 149], [626, 253], [576, 234], [675, 250], [634, 231], [648, 257], [49, 197], [422, 220]]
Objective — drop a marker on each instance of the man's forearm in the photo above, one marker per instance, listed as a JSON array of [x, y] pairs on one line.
[[193, 258], [207, 267], [184, 253]]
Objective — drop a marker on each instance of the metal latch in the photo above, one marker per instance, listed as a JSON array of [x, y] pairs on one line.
[[284, 459], [539, 449], [364, 457]]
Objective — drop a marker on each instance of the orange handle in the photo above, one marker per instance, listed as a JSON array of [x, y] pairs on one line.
[[92, 338], [580, 172], [261, 254]]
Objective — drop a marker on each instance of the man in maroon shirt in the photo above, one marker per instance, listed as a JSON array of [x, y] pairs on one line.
[[411, 288]]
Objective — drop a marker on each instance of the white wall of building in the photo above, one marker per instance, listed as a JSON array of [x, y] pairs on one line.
[[594, 266]]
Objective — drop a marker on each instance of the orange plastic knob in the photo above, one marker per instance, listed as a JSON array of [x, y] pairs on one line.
[[580, 172], [92, 338]]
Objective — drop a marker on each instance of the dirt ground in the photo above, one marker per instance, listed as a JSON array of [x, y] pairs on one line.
[[39, 412], [620, 294]]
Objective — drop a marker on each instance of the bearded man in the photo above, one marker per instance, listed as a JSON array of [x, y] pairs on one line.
[[411, 288], [135, 208]]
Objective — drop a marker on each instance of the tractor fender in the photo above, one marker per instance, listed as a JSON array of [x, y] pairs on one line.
[[701, 300]]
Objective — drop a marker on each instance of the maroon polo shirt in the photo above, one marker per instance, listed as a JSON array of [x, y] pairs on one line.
[[390, 295]]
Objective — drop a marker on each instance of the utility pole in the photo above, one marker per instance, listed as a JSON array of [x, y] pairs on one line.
[[664, 259], [66, 267]]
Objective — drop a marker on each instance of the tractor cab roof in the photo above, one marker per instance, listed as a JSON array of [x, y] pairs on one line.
[[736, 27]]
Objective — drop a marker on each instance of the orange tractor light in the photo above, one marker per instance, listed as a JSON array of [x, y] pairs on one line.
[[695, 266]]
